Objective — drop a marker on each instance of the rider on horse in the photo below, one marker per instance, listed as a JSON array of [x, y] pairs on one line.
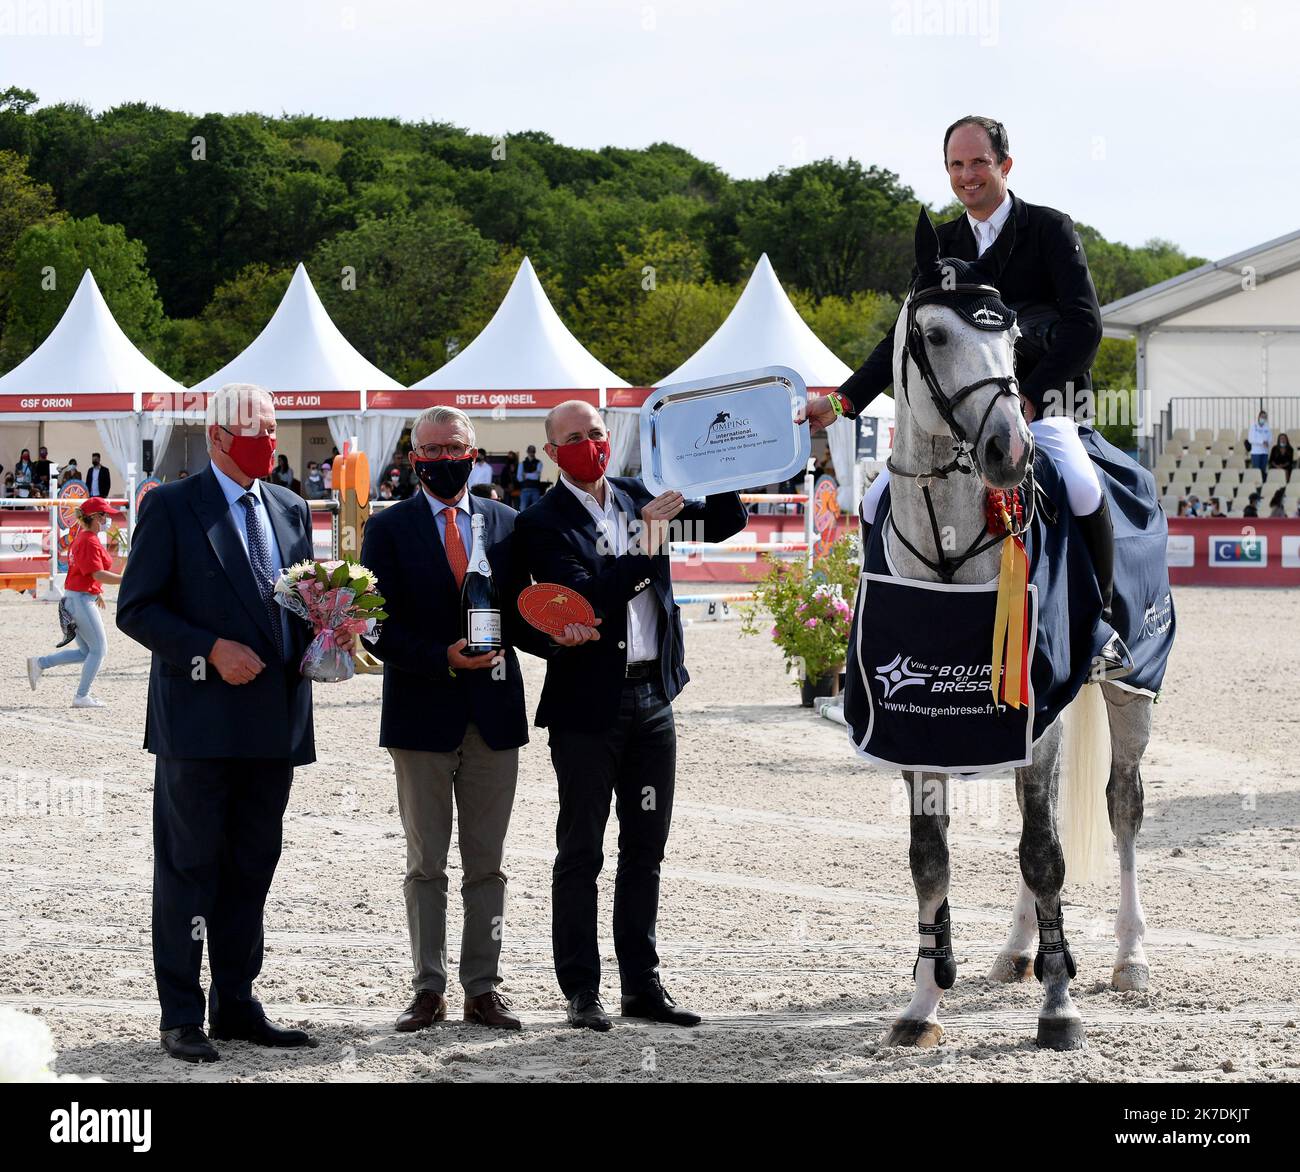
[[1047, 283]]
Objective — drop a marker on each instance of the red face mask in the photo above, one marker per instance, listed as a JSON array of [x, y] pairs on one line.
[[584, 460], [254, 455]]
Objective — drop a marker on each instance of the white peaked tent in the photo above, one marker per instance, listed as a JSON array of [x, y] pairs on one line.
[[524, 362], [88, 369], [765, 329], [313, 372]]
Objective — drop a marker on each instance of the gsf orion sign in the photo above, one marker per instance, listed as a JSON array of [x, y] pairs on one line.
[[1246, 551]]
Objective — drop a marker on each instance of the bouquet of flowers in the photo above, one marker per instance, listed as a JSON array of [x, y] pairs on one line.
[[336, 598]]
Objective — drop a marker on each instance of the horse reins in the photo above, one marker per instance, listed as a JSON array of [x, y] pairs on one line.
[[965, 460]]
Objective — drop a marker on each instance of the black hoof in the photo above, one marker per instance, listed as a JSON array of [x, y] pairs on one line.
[[1060, 1033]]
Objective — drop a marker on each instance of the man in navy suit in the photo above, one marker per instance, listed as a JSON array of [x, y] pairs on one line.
[[452, 723], [229, 717], [608, 704]]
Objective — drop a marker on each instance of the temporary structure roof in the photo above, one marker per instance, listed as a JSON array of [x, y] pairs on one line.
[[303, 359], [1173, 300], [524, 360], [1214, 343], [85, 369]]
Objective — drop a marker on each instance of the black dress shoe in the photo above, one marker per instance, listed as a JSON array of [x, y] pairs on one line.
[[264, 1033], [654, 1004], [189, 1043], [586, 1012]]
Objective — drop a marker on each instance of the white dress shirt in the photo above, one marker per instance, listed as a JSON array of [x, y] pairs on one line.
[[986, 231], [233, 491], [480, 473], [643, 610], [463, 526]]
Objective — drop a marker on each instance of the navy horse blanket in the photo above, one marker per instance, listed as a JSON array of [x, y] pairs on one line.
[[918, 689]]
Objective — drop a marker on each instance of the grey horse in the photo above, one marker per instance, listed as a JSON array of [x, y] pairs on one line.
[[962, 356]]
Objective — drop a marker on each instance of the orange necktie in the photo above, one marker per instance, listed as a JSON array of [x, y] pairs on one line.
[[456, 555]]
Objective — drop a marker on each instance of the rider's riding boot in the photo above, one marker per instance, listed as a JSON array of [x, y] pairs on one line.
[[1100, 540], [1099, 537]]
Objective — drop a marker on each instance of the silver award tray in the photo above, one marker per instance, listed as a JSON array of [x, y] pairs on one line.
[[725, 433]]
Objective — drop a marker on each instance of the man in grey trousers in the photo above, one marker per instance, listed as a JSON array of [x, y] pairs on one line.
[[452, 723]]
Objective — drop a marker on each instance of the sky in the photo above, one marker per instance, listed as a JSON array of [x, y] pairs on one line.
[[1143, 118]]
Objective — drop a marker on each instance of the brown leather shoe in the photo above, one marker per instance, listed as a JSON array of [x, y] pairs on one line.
[[491, 1009], [429, 1006]]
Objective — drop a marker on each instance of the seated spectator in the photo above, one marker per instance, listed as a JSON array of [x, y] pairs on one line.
[[314, 486], [1182, 506], [1275, 506], [1252, 505], [386, 490], [23, 474], [398, 487], [1283, 455], [1215, 509], [8, 486], [1194, 505]]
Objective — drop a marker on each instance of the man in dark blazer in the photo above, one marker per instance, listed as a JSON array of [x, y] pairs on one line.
[[452, 723], [99, 482], [1045, 279], [229, 717], [608, 704]]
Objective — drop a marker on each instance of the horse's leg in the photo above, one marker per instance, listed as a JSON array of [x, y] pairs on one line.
[[1130, 729], [928, 816], [1043, 866], [1016, 960]]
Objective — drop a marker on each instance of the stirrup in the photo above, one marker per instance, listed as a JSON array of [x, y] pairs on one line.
[[945, 967], [1114, 659], [1056, 924]]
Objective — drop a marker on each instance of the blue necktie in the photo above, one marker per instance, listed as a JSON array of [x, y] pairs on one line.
[[260, 559]]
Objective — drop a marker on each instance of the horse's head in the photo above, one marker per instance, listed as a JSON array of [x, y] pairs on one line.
[[956, 339]]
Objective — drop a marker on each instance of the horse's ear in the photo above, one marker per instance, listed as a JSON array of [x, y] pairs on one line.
[[927, 242], [991, 264]]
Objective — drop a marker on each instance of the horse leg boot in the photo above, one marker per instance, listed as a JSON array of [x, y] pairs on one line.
[[1099, 537], [1016, 960], [1130, 725], [934, 970], [1042, 864]]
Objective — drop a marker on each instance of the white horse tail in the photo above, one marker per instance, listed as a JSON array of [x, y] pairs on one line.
[[1083, 820]]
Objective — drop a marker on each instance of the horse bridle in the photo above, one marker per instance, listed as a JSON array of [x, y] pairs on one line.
[[966, 460]]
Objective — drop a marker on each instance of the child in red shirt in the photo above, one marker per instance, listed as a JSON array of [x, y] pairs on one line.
[[89, 566]]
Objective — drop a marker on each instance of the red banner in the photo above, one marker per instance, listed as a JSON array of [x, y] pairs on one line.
[[191, 402], [1234, 551], [477, 402], [86, 402]]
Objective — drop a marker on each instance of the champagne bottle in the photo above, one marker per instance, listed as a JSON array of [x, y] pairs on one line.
[[480, 606]]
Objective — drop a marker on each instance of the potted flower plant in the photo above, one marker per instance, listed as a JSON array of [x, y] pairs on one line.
[[811, 612]]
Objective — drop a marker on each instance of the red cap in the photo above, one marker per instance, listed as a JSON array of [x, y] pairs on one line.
[[97, 504]]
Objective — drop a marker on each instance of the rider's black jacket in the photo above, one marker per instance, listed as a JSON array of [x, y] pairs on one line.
[[1046, 281]]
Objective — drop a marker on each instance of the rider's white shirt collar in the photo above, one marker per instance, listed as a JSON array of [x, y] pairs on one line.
[[986, 231]]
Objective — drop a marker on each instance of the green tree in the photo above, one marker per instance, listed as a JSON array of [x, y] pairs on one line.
[[23, 203], [190, 349], [644, 316], [415, 277], [49, 261], [850, 326], [834, 228]]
